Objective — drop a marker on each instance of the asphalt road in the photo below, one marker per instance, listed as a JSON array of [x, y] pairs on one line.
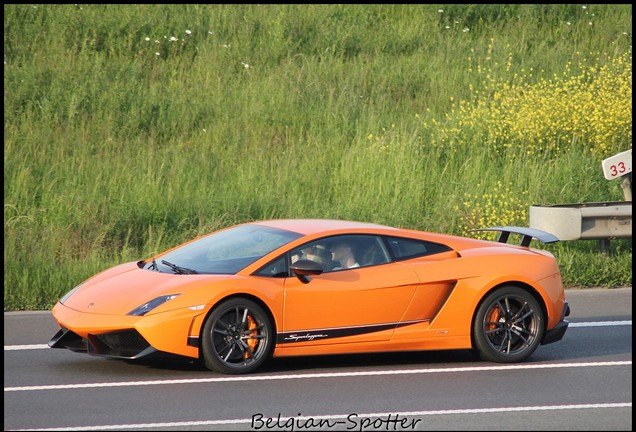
[[583, 382]]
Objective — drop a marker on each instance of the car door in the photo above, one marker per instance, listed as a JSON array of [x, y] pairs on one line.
[[350, 305]]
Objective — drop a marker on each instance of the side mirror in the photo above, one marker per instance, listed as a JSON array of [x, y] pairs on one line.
[[303, 268]]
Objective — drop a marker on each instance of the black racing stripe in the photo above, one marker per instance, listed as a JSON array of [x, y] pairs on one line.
[[321, 334]]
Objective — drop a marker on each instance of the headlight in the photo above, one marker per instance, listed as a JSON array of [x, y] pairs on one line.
[[148, 306], [70, 293]]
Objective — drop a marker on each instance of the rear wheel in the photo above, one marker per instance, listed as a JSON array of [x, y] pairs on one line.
[[237, 337], [508, 326]]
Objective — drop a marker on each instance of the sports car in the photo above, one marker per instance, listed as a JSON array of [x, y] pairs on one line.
[[296, 287]]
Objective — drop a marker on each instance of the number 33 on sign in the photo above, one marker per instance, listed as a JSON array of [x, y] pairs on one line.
[[618, 165]]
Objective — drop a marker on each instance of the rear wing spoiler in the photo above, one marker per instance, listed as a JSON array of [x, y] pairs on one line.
[[527, 234]]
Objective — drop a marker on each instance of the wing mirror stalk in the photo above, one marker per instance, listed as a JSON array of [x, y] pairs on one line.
[[304, 268]]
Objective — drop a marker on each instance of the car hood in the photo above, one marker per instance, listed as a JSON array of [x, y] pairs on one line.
[[120, 289]]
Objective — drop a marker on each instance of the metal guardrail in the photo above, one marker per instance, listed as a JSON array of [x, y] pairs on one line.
[[601, 221], [587, 221]]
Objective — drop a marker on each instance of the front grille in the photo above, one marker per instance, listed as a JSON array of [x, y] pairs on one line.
[[127, 344]]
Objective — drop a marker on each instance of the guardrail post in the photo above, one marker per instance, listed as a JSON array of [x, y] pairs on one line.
[[626, 185], [604, 246]]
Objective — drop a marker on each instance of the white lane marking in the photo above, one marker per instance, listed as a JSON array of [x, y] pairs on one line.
[[25, 347], [253, 378], [600, 324], [304, 422], [580, 324]]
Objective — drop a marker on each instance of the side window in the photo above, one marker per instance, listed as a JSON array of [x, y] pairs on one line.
[[333, 253], [373, 252], [351, 251], [276, 268], [404, 248], [317, 251]]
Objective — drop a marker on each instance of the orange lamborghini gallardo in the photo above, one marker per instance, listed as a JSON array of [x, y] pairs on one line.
[[276, 288]]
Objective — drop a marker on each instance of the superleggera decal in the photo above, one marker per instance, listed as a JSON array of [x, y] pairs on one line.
[[310, 335], [294, 337]]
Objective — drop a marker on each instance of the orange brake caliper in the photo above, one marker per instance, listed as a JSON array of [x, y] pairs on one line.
[[252, 342], [493, 317]]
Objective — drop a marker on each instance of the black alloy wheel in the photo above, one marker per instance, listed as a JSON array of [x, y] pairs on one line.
[[237, 337], [508, 326]]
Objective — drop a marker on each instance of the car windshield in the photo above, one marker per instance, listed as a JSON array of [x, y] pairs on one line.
[[224, 252]]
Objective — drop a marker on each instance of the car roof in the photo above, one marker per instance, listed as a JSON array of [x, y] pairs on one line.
[[314, 226]]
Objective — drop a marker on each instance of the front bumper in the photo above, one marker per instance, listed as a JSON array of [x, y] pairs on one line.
[[126, 337], [123, 344]]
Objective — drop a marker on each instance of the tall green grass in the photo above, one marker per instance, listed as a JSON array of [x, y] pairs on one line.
[[131, 128]]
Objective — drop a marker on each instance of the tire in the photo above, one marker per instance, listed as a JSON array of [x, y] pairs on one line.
[[509, 325], [238, 337]]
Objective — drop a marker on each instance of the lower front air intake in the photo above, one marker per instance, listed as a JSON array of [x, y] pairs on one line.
[[125, 344]]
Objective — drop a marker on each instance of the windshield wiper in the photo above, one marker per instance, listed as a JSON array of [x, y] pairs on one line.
[[178, 269]]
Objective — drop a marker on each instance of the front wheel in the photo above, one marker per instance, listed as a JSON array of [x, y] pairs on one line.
[[508, 326], [237, 337]]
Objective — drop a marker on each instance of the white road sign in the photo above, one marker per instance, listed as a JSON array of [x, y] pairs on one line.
[[618, 165]]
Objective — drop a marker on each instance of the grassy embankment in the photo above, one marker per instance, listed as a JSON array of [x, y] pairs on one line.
[[129, 129]]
